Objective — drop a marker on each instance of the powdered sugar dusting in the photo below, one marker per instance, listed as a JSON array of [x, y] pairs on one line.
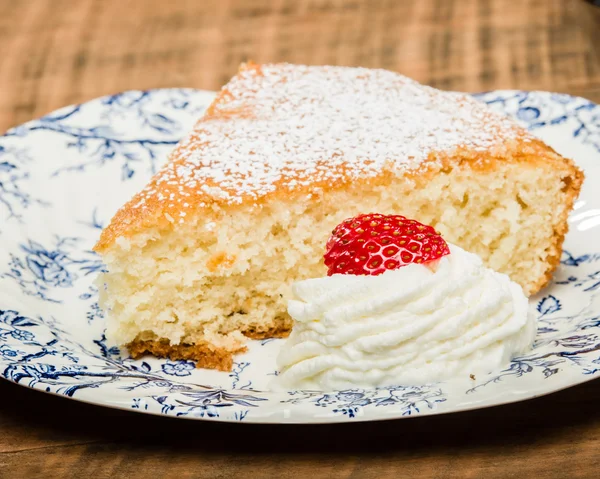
[[294, 126]]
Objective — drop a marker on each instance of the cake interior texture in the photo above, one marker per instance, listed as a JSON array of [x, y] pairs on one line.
[[196, 291]]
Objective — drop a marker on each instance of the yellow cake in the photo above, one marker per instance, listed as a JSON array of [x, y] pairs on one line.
[[204, 256]]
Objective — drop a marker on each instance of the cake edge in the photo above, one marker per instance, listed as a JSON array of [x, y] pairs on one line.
[[572, 191], [205, 354]]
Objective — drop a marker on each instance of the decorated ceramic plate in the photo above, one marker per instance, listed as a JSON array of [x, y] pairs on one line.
[[63, 176]]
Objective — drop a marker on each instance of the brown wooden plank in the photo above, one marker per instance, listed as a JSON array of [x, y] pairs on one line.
[[545, 436], [56, 52]]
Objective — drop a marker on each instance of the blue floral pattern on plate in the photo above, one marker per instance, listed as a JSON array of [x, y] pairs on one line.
[[64, 175]]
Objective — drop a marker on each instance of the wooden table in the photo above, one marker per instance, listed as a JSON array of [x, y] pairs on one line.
[[56, 52]]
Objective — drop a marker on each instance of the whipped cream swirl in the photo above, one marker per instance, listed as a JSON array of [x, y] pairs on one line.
[[413, 325]]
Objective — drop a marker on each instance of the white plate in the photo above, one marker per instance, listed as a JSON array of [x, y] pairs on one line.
[[63, 176]]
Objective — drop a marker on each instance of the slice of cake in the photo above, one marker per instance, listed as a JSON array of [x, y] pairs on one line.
[[205, 255]]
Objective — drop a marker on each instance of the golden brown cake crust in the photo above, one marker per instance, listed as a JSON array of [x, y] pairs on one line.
[[278, 331], [205, 354]]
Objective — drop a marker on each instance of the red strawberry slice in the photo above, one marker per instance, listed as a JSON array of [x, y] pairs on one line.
[[372, 244]]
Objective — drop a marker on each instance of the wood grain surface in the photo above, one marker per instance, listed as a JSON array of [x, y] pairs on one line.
[[57, 52]]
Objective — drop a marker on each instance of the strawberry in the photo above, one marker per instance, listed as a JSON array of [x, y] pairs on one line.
[[373, 243]]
